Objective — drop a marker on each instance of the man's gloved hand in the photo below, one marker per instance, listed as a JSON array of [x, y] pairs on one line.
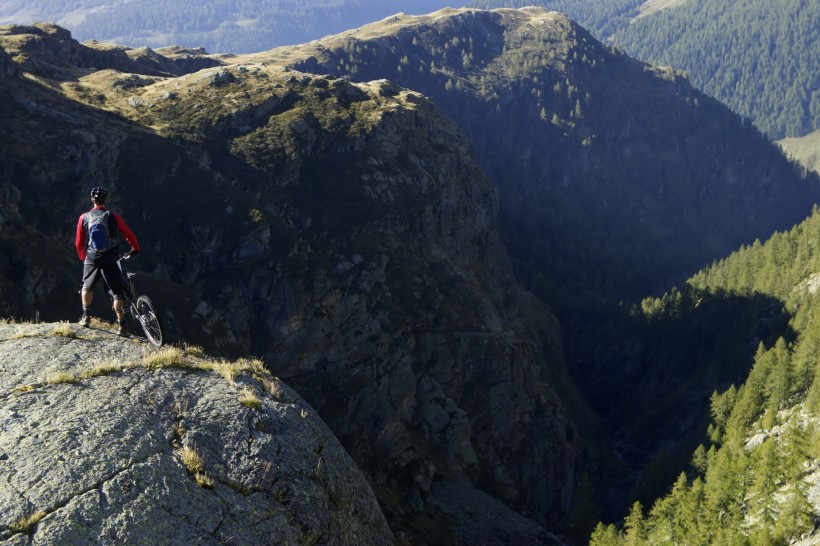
[[134, 252]]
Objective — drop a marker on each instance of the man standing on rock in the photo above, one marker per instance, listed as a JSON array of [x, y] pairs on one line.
[[98, 246]]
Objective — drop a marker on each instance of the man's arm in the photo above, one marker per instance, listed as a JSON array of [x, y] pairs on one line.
[[126, 232], [79, 238]]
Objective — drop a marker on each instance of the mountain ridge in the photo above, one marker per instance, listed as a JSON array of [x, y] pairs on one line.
[[342, 230]]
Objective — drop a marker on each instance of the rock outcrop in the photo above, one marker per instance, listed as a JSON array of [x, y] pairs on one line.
[[49, 50], [103, 440]]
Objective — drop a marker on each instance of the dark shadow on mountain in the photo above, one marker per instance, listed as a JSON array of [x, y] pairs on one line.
[[649, 373]]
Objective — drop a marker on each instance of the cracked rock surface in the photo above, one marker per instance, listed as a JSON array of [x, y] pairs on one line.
[[98, 458]]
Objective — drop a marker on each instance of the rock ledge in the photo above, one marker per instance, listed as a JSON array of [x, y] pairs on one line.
[[104, 440]]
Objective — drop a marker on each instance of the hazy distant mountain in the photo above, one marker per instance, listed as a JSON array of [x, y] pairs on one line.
[[223, 26]]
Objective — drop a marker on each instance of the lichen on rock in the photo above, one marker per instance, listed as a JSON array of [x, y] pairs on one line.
[[96, 458]]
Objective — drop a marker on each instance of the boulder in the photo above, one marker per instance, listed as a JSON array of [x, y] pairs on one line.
[[105, 440]]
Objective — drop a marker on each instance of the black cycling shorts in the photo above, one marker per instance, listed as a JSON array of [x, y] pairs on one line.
[[111, 273]]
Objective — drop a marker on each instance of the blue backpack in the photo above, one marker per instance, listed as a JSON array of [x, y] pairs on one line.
[[102, 237]]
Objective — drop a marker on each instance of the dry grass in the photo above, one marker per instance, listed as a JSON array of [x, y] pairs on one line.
[[64, 329], [192, 460], [194, 350], [60, 377], [99, 323], [249, 399], [273, 386], [228, 370], [171, 357], [24, 335], [316, 473], [22, 388], [104, 368], [204, 480], [231, 370], [180, 410], [26, 523]]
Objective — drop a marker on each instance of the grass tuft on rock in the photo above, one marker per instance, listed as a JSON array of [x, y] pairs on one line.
[[192, 460], [60, 377], [171, 357], [249, 399], [64, 329], [204, 480], [24, 525], [105, 368], [22, 388]]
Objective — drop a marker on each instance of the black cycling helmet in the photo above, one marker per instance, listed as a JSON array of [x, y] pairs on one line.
[[99, 193]]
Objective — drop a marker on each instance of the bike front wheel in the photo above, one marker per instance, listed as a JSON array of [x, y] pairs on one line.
[[149, 320]]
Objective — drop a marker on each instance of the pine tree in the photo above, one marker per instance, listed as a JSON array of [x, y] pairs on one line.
[[796, 515], [606, 535], [634, 527]]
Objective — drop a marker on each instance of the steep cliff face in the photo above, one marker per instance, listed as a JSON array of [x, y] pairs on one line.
[[106, 441], [342, 232]]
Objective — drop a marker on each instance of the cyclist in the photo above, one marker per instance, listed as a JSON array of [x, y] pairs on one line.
[[97, 245]]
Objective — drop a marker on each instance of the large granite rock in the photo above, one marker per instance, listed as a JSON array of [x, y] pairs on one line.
[[97, 436]]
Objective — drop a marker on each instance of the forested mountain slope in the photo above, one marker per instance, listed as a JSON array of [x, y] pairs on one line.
[[756, 479], [761, 58]]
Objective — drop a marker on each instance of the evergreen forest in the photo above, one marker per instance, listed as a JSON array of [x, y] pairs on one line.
[[761, 58], [750, 480]]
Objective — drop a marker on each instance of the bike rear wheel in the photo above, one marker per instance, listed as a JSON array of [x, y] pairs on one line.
[[149, 320]]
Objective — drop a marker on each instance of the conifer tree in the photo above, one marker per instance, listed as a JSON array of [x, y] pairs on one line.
[[634, 527], [606, 535]]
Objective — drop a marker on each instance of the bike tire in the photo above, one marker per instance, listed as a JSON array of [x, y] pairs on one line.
[[149, 320]]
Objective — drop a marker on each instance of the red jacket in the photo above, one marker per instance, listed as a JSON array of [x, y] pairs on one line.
[[122, 227]]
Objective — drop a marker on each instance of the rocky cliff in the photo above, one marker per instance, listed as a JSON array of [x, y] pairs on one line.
[[343, 233], [106, 441]]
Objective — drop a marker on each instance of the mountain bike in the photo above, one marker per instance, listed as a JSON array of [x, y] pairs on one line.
[[141, 307]]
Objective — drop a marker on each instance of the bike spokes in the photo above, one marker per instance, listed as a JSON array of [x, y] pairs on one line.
[[149, 320]]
